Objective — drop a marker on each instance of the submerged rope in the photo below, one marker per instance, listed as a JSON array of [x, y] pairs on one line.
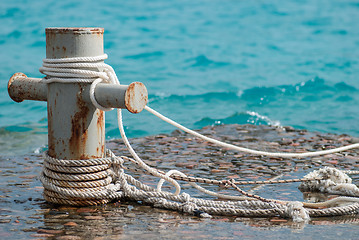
[[98, 181]]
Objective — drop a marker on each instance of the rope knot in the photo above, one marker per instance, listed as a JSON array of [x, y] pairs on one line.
[[297, 212], [185, 196], [332, 180], [228, 183], [189, 207]]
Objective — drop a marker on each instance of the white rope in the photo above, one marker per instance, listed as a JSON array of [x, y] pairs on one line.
[[98, 181], [139, 160], [247, 150], [333, 181], [66, 70], [201, 189]]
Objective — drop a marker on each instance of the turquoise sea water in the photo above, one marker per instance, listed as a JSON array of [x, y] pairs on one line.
[[204, 62]]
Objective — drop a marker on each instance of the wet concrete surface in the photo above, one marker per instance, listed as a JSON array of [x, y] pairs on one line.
[[25, 215]]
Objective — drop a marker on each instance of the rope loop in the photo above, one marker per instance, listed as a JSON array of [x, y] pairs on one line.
[[77, 70], [297, 212]]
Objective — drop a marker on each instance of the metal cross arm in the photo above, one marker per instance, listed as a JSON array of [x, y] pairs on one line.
[[132, 97], [76, 128]]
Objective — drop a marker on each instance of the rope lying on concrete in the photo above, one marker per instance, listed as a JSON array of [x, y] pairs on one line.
[[86, 187], [247, 150], [98, 181]]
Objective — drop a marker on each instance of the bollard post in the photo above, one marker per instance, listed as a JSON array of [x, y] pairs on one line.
[[76, 128]]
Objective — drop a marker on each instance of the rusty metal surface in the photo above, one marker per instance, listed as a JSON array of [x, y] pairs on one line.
[[73, 42], [74, 30], [136, 97], [21, 88], [132, 97], [76, 129], [11, 89], [108, 95]]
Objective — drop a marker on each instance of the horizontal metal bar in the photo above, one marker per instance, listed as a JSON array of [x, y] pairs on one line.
[[21, 88], [132, 97]]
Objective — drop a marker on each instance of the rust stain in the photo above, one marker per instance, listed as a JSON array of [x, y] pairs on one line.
[[98, 31], [136, 97], [103, 148], [75, 30], [20, 88], [100, 119], [10, 89], [76, 143], [79, 129], [50, 133], [100, 124]]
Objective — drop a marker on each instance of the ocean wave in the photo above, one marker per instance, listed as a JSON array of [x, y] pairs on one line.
[[316, 105], [312, 90], [247, 117], [223, 96]]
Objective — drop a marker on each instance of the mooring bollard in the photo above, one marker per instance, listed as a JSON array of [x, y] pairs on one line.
[[76, 128]]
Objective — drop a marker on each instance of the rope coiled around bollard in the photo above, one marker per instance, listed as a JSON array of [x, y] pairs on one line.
[[80, 182]]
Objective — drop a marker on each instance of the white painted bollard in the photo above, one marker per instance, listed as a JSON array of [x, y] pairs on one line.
[[76, 128]]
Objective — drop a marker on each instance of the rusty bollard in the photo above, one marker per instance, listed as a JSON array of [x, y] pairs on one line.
[[76, 128]]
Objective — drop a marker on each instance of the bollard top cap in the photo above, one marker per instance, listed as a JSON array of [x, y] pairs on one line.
[[74, 30]]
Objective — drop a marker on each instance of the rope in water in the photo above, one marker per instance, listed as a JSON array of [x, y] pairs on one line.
[[97, 181]]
